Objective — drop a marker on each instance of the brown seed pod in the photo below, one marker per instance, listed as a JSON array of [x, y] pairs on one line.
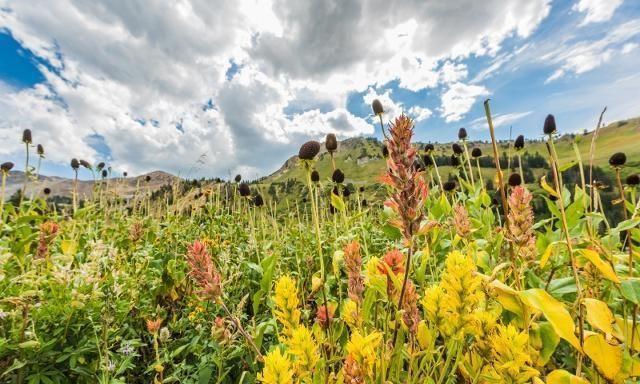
[[428, 148], [633, 179], [377, 107], [315, 176], [75, 164], [85, 164], [457, 149], [476, 152], [244, 190], [26, 136], [515, 179], [6, 167], [331, 143], [309, 150], [238, 178], [549, 125], [47, 191], [338, 176], [618, 159], [258, 201], [519, 143], [40, 150], [462, 134]]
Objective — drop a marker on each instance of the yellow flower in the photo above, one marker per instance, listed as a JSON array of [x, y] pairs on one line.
[[303, 348], [425, 335], [363, 350], [277, 369], [462, 295], [510, 360], [432, 303], [351, 314], [286, 300]]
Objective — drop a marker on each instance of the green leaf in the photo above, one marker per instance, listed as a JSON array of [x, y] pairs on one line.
[[630, 289], [554, 311], [337, 202]]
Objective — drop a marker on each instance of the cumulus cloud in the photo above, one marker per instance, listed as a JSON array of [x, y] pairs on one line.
[[152, 79], [596, 10], [458, 100]]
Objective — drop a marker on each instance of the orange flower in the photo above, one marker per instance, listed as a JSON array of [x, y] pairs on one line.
[[154, 325]]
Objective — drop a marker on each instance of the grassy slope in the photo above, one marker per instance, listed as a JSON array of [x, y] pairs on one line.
[[616, 137]]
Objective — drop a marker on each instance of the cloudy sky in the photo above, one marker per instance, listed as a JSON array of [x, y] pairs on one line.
[[202, 88]]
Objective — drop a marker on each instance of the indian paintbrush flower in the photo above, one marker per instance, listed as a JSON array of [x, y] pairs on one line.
[[353, 265]]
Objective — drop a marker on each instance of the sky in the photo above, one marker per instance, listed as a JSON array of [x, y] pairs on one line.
[[206, 88]]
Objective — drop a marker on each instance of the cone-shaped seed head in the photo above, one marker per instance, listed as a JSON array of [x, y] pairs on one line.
[[515, 179], [377, 107], [549, 125], [47, 191], [462, 134], [346, 192], [315, 176], [428, 148], [428, 162], [457, 149], [309, 150], [6, 167], [104, 173], [331, 143], [40, 150], [476, 152], [519, 143], [455, 161], [618, 159], [85, 164], [385, 151], [258, 201], [244, 190], [338, 176], [449, 186], [238, 178], [26, 136], [75, 164], [633, 179]]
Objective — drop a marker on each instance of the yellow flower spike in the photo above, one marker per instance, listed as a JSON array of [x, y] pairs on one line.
[[351, 314], [277, 369], [286, 304], [303, 349], [425, 335], [363, 349]]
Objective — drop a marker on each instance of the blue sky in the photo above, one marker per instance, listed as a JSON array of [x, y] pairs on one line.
[[203, 92]]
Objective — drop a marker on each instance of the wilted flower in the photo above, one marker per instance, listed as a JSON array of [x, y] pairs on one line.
[[48, 231], [105, 173], [100, 166], [165, 335], [309, 150], [353, 265], [461, 220], [147, 178]]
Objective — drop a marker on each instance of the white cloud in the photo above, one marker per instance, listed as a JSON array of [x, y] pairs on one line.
[[584, 56], [499, 120], [458, 100], [597, 11], [149, 78], [419, 113]]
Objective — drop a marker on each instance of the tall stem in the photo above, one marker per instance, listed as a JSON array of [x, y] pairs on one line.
[[503, 195], [4, 184], [626, 217], [26, 173], [466, 154]]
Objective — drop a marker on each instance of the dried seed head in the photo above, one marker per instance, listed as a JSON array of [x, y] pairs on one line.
[[258, 201], [455, 161], [238, 178], [428, 162], [449, 186], [364, 203], [618, 159], [385, 151], [338, 176], [105, 173], [26, 136], [47, 191], [244, 190], [85, 164], [309, 150], [476, 152], [124, 174], [335, 191], [75, 164], [315, 176], [428, 148], [147, 178], [346, 192], [519, 143], [100, 166], [515, 179], [331, 143], [457, 149], [633, 179], [462, 134], [549, 125], [361, 189], [40, 150], [418, 165], [6, 167], [377, 107]]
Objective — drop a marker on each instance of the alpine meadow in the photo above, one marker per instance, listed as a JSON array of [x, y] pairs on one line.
[[318, 208]]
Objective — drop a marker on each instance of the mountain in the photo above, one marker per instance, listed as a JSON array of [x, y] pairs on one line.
[[362, 162], [61, 186]]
